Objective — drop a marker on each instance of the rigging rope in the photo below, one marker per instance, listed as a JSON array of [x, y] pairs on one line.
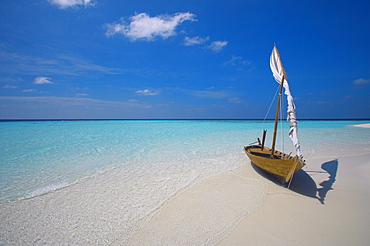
[[273, 99], [282, 121], [268, 111]]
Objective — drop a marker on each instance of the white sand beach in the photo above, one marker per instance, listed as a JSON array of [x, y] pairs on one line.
[[362, 125], [291, 217], [326, 204]]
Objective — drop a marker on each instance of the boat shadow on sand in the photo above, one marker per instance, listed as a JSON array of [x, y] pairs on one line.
[[331, 167], [303, 184]]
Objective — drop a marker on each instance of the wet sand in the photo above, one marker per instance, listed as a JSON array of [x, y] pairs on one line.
[[206, 212]]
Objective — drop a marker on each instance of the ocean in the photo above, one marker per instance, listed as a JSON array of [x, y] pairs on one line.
[[92, 182]]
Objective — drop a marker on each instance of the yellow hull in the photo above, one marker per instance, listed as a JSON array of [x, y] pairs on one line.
[[281, 165]]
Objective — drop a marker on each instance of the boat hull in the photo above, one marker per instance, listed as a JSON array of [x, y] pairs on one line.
[[281, 166]]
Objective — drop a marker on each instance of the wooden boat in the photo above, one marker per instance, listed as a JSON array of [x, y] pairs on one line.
[[282, 166]]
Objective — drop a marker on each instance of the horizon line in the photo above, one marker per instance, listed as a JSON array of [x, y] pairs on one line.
[[192, 119]]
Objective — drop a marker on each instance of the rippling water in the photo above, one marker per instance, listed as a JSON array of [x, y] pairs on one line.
[[99, 180]]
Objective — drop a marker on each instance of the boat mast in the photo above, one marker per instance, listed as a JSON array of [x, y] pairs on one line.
[[278, 106], [276, 118]]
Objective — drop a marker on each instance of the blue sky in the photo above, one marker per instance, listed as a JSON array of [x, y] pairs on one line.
[[81, 59]]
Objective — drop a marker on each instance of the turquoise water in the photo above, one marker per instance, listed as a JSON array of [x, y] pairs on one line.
[[36, 156], [41, 156], [98, 182]]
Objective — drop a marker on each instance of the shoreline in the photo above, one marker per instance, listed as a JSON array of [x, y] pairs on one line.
[[367, 125], [203, 191], [185, 218], [326, 204]]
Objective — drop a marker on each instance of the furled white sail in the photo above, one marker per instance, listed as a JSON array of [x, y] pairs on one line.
[[279, 73]]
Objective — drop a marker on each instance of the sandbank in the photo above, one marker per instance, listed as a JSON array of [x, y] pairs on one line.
[[361, 125], [326, 204]]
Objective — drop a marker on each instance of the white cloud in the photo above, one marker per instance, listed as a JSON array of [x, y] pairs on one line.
[[195, 40], [81, 95], [42, 80], [361, 81], [147, 92], [239, 63], [218, 106], [217, 45], [211, 94], [72, 101], [233, 60], [63, 4], [68, 108], [29, 90], [324, 102], [75, 64], [14, 63], [144, 27], [235, 100], [9, 86], [237, 60]]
